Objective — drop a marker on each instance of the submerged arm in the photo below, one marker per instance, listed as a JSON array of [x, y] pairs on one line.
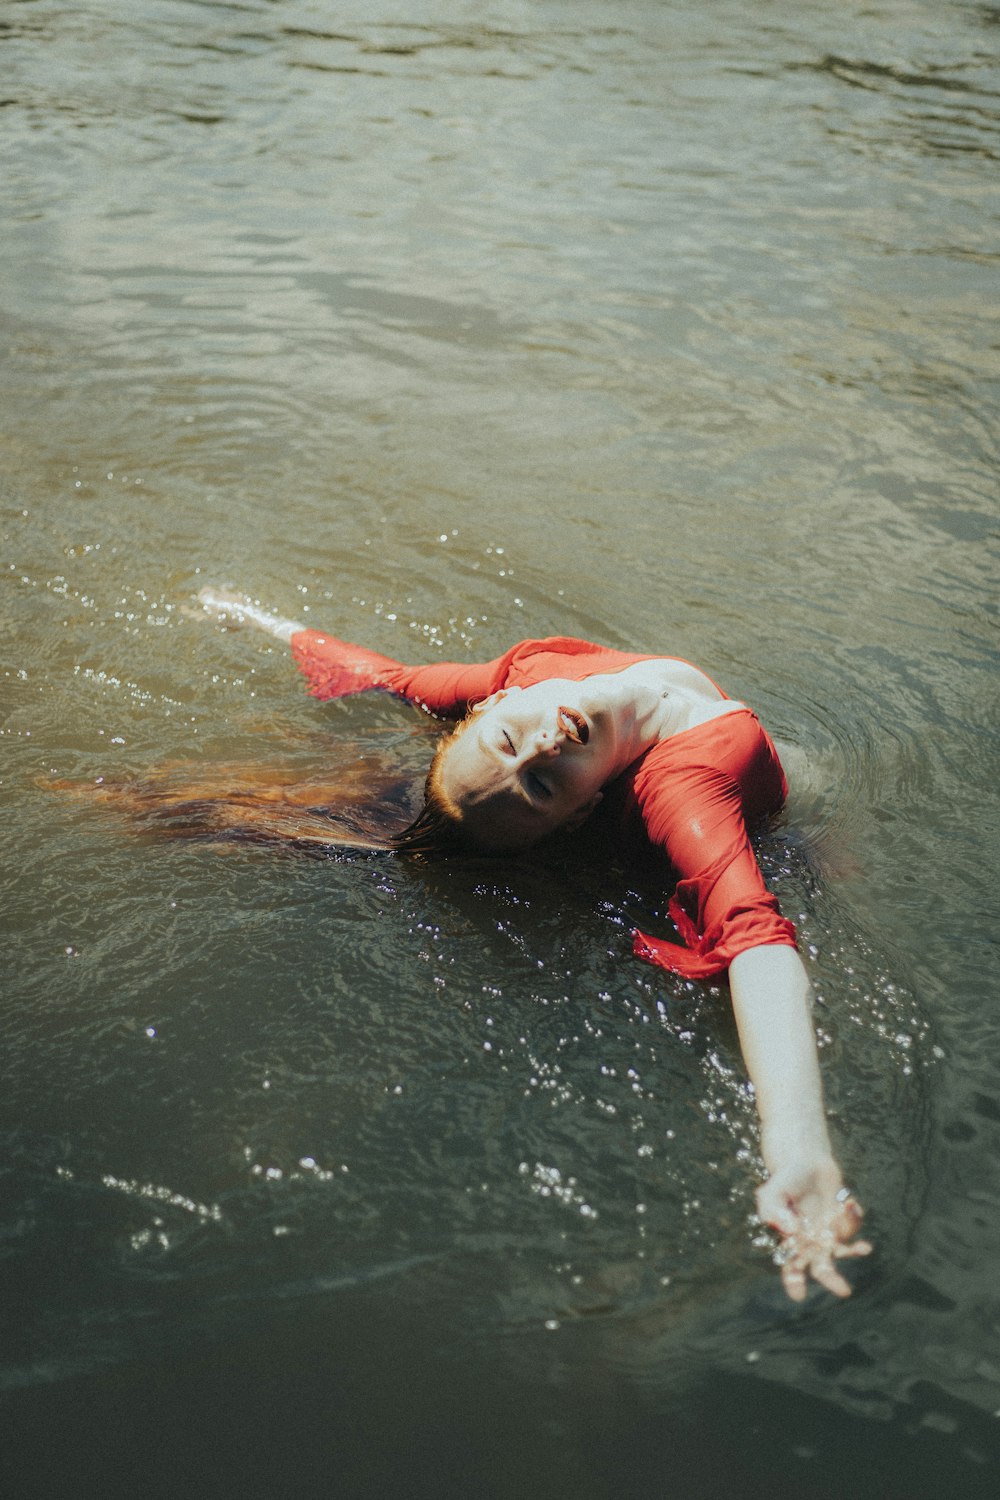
[[335, 668], [804, 1197], [228, 606]]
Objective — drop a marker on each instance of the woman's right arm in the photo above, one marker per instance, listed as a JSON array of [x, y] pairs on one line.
[[228, 606], [335, 668]]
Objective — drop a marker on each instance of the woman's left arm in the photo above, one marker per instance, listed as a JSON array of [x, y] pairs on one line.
[[804, 1197]]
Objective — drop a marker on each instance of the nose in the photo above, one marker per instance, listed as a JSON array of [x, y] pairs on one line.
[[546, 743]]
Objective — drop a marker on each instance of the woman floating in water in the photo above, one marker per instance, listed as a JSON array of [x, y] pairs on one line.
[[545, 734]]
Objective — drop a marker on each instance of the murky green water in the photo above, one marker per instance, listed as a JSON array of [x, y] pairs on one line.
[[670, 325]]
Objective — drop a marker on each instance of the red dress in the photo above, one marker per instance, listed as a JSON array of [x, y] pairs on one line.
[[694, 792]]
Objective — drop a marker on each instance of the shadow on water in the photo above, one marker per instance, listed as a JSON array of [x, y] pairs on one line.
[[311, 1402]]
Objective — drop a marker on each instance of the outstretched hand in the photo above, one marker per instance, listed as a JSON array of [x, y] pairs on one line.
[[806, 1202], [237, 609]]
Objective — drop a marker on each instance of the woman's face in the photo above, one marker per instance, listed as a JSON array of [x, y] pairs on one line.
[[530, 760]]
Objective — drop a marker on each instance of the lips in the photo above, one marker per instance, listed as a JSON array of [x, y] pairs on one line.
[[574, 725]]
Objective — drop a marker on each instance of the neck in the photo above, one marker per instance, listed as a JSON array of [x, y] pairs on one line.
[[632, 713]]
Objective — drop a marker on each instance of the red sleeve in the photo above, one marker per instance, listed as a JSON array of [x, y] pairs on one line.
[[335, 668], [696, 792]]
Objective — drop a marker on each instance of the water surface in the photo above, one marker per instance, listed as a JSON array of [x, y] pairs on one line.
[[669, 325]]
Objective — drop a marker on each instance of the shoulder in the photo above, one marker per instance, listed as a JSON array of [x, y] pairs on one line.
[[567, 656]]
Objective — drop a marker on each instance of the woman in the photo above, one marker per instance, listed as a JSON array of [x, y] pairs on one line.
[[549, 731]]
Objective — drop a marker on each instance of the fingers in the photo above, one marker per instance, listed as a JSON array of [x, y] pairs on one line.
[[806, 1253], [853, 1250], [235, 609], [805, 1261], [794, 1280], [773, 1208], [220, 600], [828, 1276], [816, 1230], [848, 1220], [801, 1258]]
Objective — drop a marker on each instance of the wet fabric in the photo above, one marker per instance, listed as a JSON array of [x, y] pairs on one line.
[[335, 668], [697, 792], [694, 793]]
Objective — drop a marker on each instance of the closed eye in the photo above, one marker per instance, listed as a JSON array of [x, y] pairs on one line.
[[508, 746], [537, 786]]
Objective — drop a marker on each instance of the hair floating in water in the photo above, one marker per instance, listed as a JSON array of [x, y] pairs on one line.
[[363, 807]]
